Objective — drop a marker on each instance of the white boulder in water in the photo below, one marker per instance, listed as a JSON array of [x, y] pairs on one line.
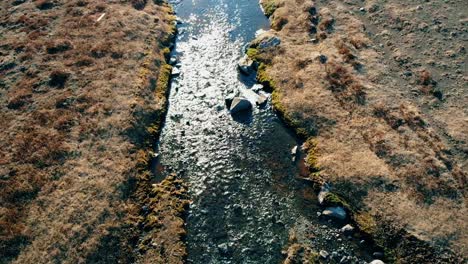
[[335, 212], [240, 104], [175, 71], [246, 65]]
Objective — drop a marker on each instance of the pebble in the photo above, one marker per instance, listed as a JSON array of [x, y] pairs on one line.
[[347, 229], [324, 254]]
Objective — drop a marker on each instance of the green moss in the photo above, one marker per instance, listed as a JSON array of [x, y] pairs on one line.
[[264, 79], [313, 258], [252, 53], [312, 159], [162, 85], [269, 7], [332, 199]]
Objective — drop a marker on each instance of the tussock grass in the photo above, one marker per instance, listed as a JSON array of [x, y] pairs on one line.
[[375, 145], [74, 90]]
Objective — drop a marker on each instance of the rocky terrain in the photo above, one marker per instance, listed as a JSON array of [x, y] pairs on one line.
[[83, 89], [378, 89]]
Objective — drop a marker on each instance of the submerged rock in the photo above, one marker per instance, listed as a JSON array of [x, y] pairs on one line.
[[173, 60], [335, 212], [240, 104], [376, 261]]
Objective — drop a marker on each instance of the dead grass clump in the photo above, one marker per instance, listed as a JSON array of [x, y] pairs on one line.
[[139, 4], [279, 22], [338, 77], [58, 78], [84, 61], [54, 47], [359, 93], [327, 24], [19, 98], [41, 148], [44, 4], [322, 35], [345, 52], [101, 50], [269, 7], [358, 42], [64, 120], [81, 3], [425, 78]]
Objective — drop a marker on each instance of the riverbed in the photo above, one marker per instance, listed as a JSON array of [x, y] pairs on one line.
[[241, 174]]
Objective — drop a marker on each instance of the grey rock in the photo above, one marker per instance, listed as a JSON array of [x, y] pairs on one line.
[[240, 104], [175, 71], [257, 87], [269, 42], [262, 100], [324, 254], [322, 194], [246, 65], [377, 261], [347, 229], [335, 212], [173, 60], [294, 151], [228, 100]]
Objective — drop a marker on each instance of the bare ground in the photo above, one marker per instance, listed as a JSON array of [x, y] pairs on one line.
[[82, 95], [380, 86]]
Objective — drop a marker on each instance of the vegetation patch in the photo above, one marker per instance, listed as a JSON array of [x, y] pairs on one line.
[[269, 7]]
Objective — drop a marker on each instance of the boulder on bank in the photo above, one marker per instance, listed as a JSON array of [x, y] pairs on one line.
[[240, 104], [268, 42], [347, 229], [175, 71], [228, 100], [262, 100], [322, 194], [173, 60], [246, 65], [257, 87], [335, 212]]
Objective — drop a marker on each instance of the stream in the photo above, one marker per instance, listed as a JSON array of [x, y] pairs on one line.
[[241, 176]]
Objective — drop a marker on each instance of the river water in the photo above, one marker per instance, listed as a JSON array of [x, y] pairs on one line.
[[240, 171]]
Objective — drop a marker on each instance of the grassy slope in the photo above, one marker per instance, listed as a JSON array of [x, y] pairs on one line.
[[81, 102], [375, 142]]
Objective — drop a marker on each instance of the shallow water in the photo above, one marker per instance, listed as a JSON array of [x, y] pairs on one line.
[[240, 171]]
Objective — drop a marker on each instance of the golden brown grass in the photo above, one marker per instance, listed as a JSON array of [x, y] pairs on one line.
[[377, 145], [75, 103]]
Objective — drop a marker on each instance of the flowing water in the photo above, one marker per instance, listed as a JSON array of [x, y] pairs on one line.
[[239, 169]]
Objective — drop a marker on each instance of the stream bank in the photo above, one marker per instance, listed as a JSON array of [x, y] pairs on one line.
[[248, 205]]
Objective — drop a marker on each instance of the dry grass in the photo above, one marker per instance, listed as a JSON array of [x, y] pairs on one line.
[[72, 92], [378, 146]]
